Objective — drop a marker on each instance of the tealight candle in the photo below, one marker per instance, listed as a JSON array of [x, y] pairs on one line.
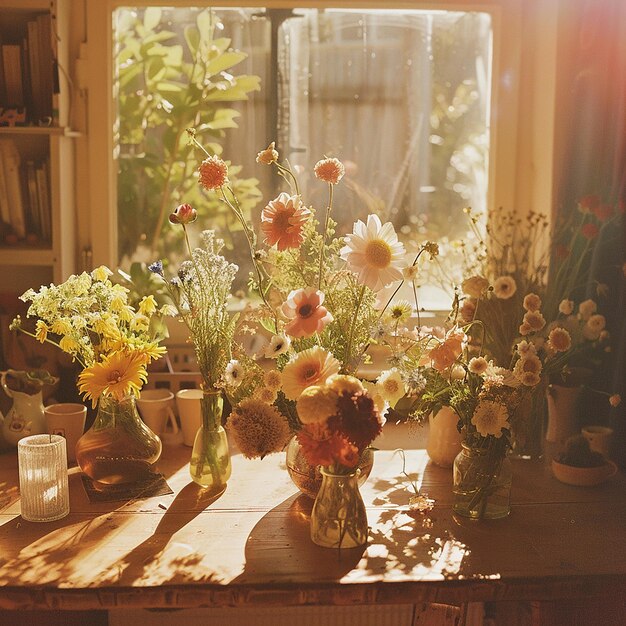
[[44, 491]]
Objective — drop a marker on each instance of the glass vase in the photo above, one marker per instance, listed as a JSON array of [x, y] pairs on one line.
[[338, 518], [118, 448], [308, 478], [527, 425], [210, 458], [482, 483]]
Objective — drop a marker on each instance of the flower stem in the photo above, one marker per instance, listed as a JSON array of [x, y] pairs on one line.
[[324, 233]]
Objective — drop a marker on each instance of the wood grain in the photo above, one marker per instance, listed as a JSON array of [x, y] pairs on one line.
[[250, 545]]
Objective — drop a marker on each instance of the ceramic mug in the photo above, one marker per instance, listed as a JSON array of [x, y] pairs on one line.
[[599, 438], [190, 413], [156, 407], [68, 420]]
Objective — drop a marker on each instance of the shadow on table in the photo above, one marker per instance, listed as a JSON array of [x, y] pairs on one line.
[[279, 549]]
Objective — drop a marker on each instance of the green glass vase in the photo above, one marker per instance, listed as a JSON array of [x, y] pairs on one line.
[[210, 458]]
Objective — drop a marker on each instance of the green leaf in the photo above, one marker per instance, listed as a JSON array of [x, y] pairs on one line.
[[151, 18], [224, 62], [224, 118], [192, 37], [206, 22]]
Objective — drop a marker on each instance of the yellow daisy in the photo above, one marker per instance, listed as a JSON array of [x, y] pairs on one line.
[[118, 374], [41, 331]]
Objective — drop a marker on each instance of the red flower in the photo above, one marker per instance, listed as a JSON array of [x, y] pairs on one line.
[[589, 231], [603, 211], [561, 251], [588, 203], [183, 214], [326, 450], [213, 173]]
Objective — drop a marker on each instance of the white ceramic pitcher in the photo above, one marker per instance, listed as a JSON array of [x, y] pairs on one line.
[[25, 417]]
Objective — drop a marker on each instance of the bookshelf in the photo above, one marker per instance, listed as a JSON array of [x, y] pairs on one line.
[[37, 208]]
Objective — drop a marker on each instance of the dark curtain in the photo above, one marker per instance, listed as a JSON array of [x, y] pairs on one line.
[[593, 102]]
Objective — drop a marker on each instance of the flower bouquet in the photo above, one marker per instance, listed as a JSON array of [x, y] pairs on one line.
[[89, 318]]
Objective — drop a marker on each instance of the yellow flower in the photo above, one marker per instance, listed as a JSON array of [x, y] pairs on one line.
[[139, 323], [148, 305], [41, 331], [61, 326], [316, 404], [272, 379], [126, 313], [101, 273], [118, 374], [341, 383], [69, 344]]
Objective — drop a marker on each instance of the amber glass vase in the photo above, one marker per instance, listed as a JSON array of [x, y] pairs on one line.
[[338, 519], [210, 458], [119, 447]]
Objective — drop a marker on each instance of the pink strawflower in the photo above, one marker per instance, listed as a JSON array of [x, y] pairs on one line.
[[268, 156], [532, 302], [589, 231], [183, 214], [560, 339], [329, 170], [282, 221], [304, 309], [213, 173]]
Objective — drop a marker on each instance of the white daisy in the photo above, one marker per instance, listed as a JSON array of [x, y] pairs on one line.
[[233, 374], [490, 418], [279, 344], [374, 253]]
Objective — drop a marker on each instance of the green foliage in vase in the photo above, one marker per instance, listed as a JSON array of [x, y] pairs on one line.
[[164, 87]]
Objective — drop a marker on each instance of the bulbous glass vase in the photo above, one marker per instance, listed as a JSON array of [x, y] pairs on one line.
[[119, 447]]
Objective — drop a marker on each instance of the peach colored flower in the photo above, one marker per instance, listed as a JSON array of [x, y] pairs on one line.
[[529, 379], [560, 339], [268, 156], [524, 329], [282, 221], [478, 365], [475, 286], [596, 322], [524, 348], [615, 400], [329, 170], [304, 309], [586, 309], [374, 253], [504, 287], [468, 310], [534, 319], [309, 367], [490, 418], [532, 302], [183, 214], [213, 173], [448, 351], [566, 307]]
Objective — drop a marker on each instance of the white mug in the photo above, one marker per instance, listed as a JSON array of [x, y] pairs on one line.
[[190, 413], [599, 438], [156, 407], [68, 420]]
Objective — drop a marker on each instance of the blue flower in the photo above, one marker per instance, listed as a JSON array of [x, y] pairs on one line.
[[156, 267]]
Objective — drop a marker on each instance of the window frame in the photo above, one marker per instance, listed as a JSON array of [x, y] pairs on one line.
[[522, 109]]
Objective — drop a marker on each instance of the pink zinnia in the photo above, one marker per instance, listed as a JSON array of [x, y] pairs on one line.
[[282, 221], [213, 173], [183, 214], [304, 309]]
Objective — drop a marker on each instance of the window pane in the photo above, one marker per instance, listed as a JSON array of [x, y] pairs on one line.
[[401, 97]]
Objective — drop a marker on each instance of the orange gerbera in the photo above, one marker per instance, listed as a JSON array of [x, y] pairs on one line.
[[282, 221], [304, 309], [118, 374], [324, 448], [307, 368]]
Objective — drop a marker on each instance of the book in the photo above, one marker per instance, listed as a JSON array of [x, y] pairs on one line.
[[44, 24], [5, 211], [35, 71], [11, 164], [12, 62], [34, 211], [43, 193]]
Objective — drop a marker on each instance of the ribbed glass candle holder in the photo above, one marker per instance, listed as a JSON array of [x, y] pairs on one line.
[[44, 491]]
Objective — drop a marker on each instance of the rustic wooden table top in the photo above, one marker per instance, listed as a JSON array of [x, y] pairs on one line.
[[251, 545]]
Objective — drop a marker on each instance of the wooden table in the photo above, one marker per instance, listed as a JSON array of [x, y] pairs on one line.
[[251, 547]]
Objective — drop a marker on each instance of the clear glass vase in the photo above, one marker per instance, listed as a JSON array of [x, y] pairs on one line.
[[118, 448], [482, 483], [308, 478], [210, 458], [338, 518]]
